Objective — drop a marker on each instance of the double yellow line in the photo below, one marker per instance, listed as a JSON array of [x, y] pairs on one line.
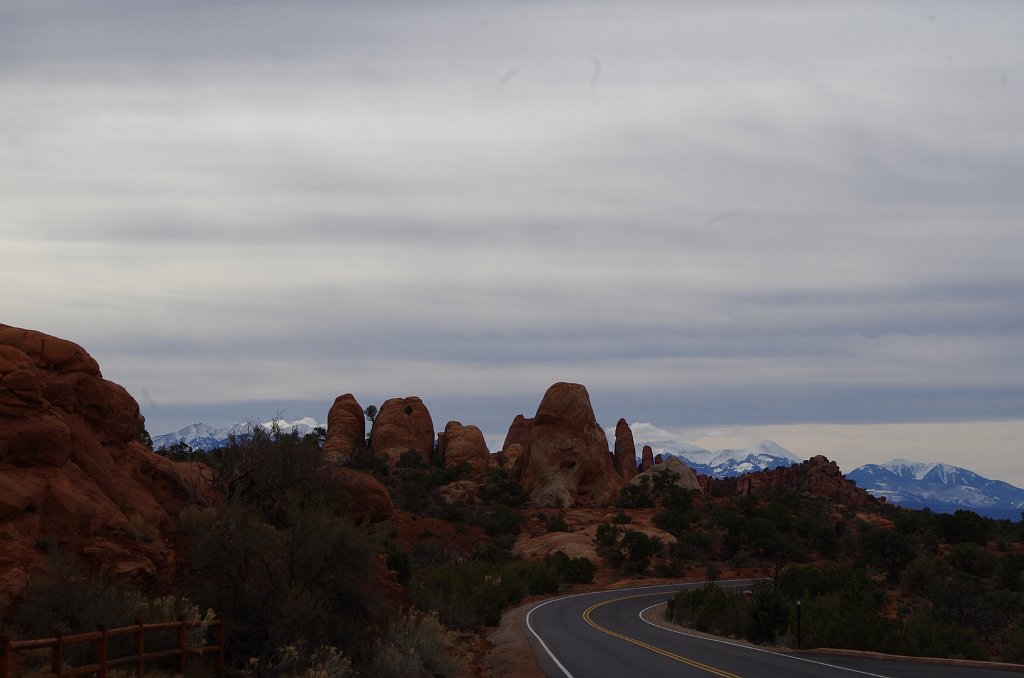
[[648, 646]]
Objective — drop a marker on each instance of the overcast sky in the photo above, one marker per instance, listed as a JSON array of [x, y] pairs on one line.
[[729, 220]]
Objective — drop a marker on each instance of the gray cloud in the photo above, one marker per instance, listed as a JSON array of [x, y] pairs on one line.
[[236, 202]]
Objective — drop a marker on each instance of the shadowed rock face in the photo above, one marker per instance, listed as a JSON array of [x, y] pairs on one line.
[[647, 460], [363, 497], [516, 441], [567, 462], [71, 467], [402, 424], [625, 451], [465, 444], [346, 429]]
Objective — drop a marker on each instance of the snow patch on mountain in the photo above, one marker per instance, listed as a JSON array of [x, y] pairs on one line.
[[201, 436], [940, 487]]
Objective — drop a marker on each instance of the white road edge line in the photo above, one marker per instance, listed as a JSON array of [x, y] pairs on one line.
[[576, 595], [541, 640], [753, 649]]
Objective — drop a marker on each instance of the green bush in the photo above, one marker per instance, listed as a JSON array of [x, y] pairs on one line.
[[572, 570], [556, 523], [636, 495], [709, 609]]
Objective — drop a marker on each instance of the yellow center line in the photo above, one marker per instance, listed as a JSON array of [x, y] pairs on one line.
[[647, 646]]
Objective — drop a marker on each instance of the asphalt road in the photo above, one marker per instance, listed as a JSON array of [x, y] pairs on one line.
[[592, 635]]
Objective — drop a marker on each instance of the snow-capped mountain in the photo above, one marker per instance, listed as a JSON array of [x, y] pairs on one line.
[[202, 437], [727, 463], [940, 487], [765, 455]]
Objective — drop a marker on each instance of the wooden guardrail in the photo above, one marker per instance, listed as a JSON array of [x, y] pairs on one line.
[[101, 637]]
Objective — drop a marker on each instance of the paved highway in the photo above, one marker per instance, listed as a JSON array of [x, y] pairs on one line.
[[593, 635]]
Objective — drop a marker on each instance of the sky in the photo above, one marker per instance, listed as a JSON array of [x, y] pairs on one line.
[[730, 221]]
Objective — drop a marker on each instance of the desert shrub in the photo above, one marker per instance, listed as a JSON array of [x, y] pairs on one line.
[[500, 489], [672, 567], [926, 636], [962, 526], [677, 513], [415, 646], [887, 549], [365, 460], [556, 523], [637, 549], [607, 535], [410, 459], [691, 545], [399, 562], [1013, 645], [621, 518], [767, 615], [300, 660], [922, 573], [500, 519], [465, 596], [572, 570], [710, 609], [636, 495], [311, 575], [972, 559]]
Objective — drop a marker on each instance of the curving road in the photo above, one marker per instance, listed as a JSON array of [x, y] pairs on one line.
[[592, 635]]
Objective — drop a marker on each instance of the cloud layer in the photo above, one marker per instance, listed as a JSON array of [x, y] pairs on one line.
[[710, 215]]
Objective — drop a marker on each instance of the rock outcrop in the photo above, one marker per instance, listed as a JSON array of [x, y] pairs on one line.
[[685, 477], [567, 462], [402, 424], [361, 495], [465, 444], [625, 451], [817, 476], [72, 469], [647, 459], [346, 429], [516, 440]]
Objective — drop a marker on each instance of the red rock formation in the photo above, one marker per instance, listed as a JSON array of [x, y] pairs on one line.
[[516, 440], [460, 492], [817, 476], [567, 462], [625, 450], [71, 467], [685, 476], [346, 429], [361, 495], [659, 459], [465, 444], [647, 460], [402, 424]]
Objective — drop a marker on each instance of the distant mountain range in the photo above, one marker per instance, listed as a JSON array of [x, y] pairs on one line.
[[942, 488], [764, 456], [203, 437], [939, 487]]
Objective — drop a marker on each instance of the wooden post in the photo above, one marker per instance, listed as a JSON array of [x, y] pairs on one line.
[[57, 656], [181, 644], [5, 657], [102, 650], [220, 643], [140, 649]]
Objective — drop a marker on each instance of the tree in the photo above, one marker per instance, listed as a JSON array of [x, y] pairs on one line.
[[370, 412]]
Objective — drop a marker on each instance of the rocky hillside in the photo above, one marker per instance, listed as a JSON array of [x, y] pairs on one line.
[[73, 472]]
